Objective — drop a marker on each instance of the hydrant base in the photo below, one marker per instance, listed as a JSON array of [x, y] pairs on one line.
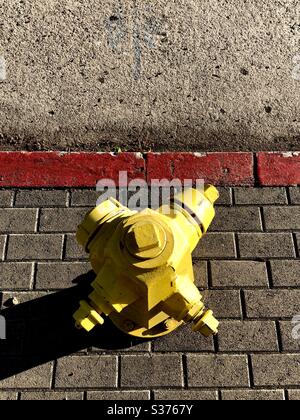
[[140, 332]]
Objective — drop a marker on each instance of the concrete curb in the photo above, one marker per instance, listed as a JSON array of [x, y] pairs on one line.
[[56, 169]]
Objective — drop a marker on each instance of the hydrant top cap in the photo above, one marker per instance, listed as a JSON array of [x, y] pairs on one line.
[[145, 239]]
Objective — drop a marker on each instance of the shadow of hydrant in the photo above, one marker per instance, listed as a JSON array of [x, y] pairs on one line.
[[43, 330]]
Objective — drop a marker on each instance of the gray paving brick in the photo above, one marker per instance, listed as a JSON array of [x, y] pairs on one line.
[[149, 371], [184, 339], [216, 245], [59, 275], [22, 297], [276, 370], [84, 198], [200, 273], [238, 336], [182, 395], [61, 220], [236, 219], [15, 275], [74, 251], [286, 273], [119, 395], [8, 396], [239, 274], [272, 303], [41, 198], [143, 347], [295, 195], [253, 395], [266, 245], [225, 196], [18, 220], [260, 196], [294, 395], [50, 395], [86, 372], [2, 246], [6, 198], [218, 371], [34, 247], [282, 218], [37, 377], [224, 303], [289, 344]]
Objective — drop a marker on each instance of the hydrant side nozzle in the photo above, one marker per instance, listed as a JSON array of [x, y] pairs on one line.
[[93, 219], [199, 205], [211, 193], [207, 325], [87, 317]]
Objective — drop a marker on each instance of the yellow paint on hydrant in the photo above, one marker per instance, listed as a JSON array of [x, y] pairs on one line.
[[143, 261]]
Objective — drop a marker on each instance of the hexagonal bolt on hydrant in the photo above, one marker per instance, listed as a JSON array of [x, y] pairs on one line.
[[143, 261]]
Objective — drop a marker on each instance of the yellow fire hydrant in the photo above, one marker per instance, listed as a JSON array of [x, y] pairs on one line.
[[143, 261]]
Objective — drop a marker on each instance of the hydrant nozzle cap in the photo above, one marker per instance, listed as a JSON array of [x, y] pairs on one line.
[[207, 325], [145, 240], [211, 193]]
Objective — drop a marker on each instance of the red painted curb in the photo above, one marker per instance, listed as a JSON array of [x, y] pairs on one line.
[[215, 168], [279, 169], [52, 169]]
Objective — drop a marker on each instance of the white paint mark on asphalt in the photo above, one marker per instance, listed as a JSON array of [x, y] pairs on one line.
[[2, 69]]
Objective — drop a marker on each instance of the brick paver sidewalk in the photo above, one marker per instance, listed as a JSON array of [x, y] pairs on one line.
[[248, 265]]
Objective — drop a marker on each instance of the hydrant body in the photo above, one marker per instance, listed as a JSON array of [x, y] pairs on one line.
[[143, 261]]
